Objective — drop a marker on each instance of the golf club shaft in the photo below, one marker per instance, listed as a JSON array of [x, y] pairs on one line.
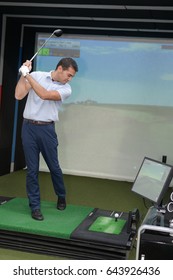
[[41, 47]]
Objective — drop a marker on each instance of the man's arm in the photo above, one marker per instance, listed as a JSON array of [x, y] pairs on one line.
[[27, 82], [22, 88], [41, 91]]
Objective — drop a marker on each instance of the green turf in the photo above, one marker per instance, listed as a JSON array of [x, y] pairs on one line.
[[108, 225], [15, 216]]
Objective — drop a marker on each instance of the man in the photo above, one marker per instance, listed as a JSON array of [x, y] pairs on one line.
[[46, 92]]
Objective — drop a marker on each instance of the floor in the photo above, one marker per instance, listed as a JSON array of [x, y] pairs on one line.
[[104, 194]]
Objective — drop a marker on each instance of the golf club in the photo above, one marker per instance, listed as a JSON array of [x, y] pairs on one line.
[[57, 32]]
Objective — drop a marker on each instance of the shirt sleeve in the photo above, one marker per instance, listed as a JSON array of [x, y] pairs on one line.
[[64, 91]]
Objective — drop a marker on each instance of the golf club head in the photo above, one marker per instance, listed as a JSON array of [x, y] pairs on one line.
[[57, 32]]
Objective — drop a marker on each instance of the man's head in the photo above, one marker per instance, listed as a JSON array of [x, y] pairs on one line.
[[67, 62], [65, 70]]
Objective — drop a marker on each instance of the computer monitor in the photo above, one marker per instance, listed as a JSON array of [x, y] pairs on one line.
[[152, 180]]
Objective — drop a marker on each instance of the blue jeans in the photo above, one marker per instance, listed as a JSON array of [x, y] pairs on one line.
[[42, 139]]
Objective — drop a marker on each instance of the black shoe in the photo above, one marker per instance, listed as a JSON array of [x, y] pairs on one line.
[[36, 214], [61, 204]]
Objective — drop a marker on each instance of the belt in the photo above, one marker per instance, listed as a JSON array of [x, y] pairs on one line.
[[38, 122]]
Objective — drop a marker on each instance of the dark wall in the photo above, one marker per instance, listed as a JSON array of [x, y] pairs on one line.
[[12, 61], [11, 51]]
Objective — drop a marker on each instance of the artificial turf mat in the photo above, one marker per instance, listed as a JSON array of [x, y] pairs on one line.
[[15, 215], [108, 225]]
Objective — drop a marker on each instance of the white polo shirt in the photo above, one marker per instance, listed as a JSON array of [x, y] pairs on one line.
[[45, 110]]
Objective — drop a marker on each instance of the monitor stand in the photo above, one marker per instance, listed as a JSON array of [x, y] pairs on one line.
[[160, 213], [164, 215]]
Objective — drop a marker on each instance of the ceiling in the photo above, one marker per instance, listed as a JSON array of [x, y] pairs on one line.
[[150, 18]]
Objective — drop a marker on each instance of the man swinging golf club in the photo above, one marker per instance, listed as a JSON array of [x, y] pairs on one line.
[[45, 92]]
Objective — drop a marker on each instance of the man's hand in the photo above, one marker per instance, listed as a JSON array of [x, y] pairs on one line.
[[24, 70]]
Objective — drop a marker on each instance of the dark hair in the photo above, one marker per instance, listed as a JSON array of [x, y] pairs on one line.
[[67, 62]]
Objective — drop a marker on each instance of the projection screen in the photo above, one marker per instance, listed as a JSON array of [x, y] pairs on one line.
[[121, 107]]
